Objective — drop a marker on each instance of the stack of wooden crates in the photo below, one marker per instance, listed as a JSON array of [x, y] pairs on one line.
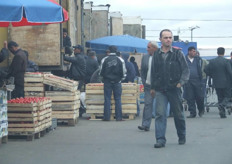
[[95, 101], [30, 117], [65, 99]]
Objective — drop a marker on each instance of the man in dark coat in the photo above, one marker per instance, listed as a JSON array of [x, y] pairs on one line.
[[78, 67], [17, 68], [220, 71], [91, 66], [132, 60], [3, 56], [67, 42], [193, 88], [130, 74]]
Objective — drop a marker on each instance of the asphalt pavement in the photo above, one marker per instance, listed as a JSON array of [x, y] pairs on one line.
[[209, 141]]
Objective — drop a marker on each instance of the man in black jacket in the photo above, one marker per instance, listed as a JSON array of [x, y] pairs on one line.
[[169, 73], [113, 71], [193, 89], [17, 68], [220, 71], [91, 65], [78, 67]]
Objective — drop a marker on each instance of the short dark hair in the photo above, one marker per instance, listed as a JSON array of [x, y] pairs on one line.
[[92, 53], [191, 48], [161, 32], [113, 49], [221, 51], [65, 30], [132, 59], [12, 44]]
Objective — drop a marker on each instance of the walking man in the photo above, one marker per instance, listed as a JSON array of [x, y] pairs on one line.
[[220, 71], [113, 71], [193, 89], [169, 73], [146, 80]]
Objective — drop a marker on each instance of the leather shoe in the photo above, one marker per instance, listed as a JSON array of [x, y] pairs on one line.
[[159, 145], [201, 113], [191, 116], [143, 128], [182, 141]]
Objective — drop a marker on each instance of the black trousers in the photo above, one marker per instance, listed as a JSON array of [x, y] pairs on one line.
[[194, 94], [18, 92], [223, 95]]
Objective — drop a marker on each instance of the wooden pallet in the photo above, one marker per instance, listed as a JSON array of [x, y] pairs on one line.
[[67, 122], [98, 116], [29, 136]]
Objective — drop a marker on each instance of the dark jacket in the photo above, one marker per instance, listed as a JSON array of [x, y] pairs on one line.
[[112, 69], [166, 74], [67, 45], [3, 54], [220, 71], [130, 70], [31, 66], [136, 68], [91, 67], [144, 67], [199, 62], [18, 67], [78, 66]]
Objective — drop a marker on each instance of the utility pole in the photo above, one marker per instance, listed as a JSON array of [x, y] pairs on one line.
[[191, 29]]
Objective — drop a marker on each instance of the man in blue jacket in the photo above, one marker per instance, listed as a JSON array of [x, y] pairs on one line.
[[130, 70], [113, 71]]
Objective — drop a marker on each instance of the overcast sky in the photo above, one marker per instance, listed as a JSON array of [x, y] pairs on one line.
[[213, 17]]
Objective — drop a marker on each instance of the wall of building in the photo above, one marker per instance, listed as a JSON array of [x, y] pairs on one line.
[[116, 26]]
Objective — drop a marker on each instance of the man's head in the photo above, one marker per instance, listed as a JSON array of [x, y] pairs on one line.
[[113, 49], [65, 32], [152, 47], [221, 51], [13, 46], [92, 54], [78, 49], [191, 52], [132, 59], [166, 38]]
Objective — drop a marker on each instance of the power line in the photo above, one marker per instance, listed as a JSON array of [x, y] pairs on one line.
[[204, 20], [204, 37]]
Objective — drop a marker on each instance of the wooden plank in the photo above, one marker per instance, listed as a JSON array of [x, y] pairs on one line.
[[34, 94], [94, 102], [29, 119], [33, 85], [36, 129], [94, 107], [126, 106], [61, 93], [33, 79], [22, 115], [22, 105], [35, 89], [22, 109], [60, 80], [64, 98], [65, 107]]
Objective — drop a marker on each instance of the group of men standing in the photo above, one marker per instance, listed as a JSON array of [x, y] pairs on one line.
[[166, 72]]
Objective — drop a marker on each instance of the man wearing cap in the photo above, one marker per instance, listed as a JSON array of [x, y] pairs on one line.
[[78, 67], [113, 71]]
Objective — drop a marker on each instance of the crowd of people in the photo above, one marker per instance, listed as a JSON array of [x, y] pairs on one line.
[[168, 77]]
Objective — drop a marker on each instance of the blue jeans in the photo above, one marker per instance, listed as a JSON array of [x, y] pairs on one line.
[[174, 98], [147, 111], [117, 91], [153, 110]]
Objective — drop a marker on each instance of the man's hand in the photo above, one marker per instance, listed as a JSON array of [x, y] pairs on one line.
[[178, 85], [5, 44], [152, 93]]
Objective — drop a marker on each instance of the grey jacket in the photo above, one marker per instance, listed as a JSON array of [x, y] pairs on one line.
[[144, 68]]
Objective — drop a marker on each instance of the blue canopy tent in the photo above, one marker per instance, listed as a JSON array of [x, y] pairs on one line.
[[124, 43], [30, 12]]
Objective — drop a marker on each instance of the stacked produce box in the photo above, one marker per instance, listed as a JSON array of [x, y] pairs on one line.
[[33, 84], [95, 100], [3, 116], [65, 99], [30, 116]]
